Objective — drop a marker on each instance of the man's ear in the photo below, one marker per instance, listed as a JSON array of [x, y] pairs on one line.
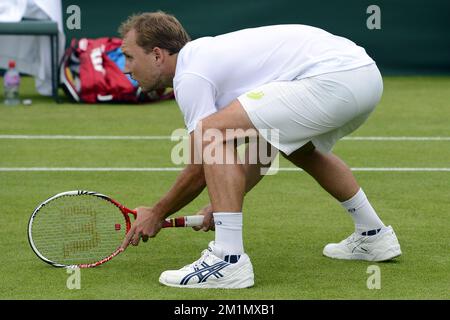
[[158, 54]]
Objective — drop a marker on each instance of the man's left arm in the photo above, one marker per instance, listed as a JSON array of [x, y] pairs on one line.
[[195, 97], [188, 185]]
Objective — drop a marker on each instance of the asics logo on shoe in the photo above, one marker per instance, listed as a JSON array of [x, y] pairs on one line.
[[204, 273], [357, 245]]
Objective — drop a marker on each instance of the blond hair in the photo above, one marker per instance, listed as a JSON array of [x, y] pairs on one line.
[[156, 29]]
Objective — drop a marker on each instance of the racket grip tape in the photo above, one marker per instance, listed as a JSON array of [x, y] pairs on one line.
[[186, 221]]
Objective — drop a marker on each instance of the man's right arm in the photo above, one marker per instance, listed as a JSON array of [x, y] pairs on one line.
[[188, 185]]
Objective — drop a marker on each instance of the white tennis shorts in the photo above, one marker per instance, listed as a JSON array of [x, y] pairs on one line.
[[321, 109]]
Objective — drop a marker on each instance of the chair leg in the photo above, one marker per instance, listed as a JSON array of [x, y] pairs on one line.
[[54, 58]]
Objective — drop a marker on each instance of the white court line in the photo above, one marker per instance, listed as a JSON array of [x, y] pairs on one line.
[[69, 137], [44, 169], [397, 138], [69, 169], [385, 169], [64, 137]]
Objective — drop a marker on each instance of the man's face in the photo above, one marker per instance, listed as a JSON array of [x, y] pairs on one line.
[[144, 67]]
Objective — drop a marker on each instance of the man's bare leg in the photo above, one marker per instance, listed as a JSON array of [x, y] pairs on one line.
[[328, 170], [372, 240], [226, 181], [226, 186], [338, 180]]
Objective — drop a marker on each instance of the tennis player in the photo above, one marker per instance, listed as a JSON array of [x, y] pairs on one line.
[[298, 87]]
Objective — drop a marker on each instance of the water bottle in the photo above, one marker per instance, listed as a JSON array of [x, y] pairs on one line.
[[11, 83]]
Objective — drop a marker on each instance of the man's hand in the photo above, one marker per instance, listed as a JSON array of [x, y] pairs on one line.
[[147, 225], [208, 220]]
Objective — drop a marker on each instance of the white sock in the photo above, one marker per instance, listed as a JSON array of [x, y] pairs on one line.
[[363, 214], [229, 233]]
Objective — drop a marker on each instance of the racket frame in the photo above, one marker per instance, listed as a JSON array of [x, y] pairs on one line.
[[184, 221], [125, 211]]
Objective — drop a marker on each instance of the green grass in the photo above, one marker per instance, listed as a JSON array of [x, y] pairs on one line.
[[288, 218]]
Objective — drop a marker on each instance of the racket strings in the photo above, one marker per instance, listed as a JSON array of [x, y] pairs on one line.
[[78, 229]]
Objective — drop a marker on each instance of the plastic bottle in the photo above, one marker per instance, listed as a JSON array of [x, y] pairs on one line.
[[11, 83]]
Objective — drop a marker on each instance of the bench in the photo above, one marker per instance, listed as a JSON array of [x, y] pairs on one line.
[[38, 28]]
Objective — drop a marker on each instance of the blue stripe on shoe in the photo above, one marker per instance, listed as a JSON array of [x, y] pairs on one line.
[[208, 271], [371, 232], [232, 258], [217, 274]]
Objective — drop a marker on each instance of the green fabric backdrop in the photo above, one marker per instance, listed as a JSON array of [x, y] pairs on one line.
[[414, 37]]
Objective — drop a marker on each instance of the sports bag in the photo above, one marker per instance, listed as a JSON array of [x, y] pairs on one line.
[[91, 71]]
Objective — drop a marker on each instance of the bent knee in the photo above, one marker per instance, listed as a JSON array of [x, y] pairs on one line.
[[304, 155]]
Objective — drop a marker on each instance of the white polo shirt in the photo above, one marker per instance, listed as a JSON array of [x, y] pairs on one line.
[[213, 71]]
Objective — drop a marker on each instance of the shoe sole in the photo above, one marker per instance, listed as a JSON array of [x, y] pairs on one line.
[[385, 255], [243, 285]]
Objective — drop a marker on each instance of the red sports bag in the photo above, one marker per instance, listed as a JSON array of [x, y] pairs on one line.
[[91, 72]]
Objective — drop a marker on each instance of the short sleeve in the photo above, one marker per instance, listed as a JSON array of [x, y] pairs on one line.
[[196, 98]]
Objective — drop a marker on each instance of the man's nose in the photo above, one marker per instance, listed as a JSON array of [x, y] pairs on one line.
[[127, 69]]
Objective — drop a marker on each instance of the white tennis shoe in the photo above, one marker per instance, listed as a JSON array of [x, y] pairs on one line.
[[380, 247], [210, 271]]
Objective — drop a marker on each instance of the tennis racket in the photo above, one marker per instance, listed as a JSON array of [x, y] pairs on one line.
[[84, 229]]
